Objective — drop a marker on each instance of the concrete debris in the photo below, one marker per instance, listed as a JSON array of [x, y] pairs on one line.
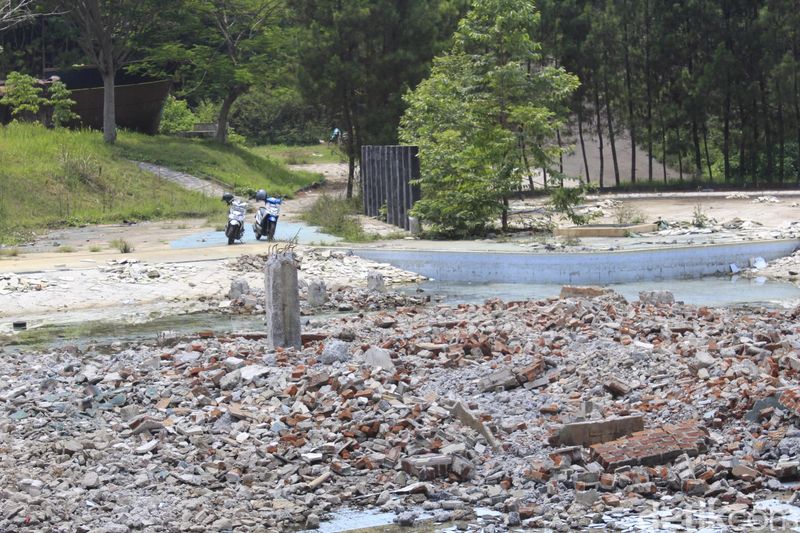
[[553, 414]]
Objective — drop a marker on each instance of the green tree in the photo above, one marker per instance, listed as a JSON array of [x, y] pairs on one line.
[[358, 58], [107, 32], [61, 103], [23, 95], [483, 117], [218, 49]]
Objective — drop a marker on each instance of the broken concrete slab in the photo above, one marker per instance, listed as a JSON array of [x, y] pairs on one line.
[[588, 433]]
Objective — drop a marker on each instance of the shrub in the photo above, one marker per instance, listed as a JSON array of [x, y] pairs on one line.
[[176, 116], [122, 245], [23, 95], [337, 216], [627, 214], [61, 103]]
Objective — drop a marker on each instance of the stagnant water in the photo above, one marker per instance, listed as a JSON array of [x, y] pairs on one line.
[[285, 231], [712, 291]]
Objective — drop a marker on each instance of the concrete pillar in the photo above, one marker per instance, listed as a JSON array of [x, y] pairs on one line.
[[317, 293], [282, 301]]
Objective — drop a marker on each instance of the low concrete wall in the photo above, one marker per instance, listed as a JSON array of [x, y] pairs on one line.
[[581, 268], [604, 230]]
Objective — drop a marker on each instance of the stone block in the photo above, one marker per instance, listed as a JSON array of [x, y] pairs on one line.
[[587, 433], [282, 303], [428, 467], [317, 293]]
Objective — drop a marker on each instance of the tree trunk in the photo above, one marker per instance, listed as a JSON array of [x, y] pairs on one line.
[[680, 153], [631, 119], [742, 171], [664, 150], [504, 215], [109, 103], [781, 139], [599, 133], [224, 111], [797, 119], [583, 145], [708, 157], [611, 139], [351, 172], [648, 77], [560, 153], [726, 135], [767, 130], [698, 159]]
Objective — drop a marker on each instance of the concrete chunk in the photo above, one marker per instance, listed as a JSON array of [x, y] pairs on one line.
[[588, 433]]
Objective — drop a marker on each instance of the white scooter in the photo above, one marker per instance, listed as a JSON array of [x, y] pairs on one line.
[[237, 210]]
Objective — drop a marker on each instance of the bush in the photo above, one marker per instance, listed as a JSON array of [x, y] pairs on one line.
[[627, 214], [337, 216], [176, 116], [62, 104], [564, 201], [23, 95], [122, 245]]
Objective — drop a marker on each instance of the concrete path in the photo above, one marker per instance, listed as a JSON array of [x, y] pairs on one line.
[[187, 181]]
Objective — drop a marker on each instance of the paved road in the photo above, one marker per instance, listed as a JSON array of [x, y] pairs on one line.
[[187, 181]]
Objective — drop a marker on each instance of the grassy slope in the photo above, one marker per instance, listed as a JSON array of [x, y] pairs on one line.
[[233, 165], [301, 155], [52, 178]]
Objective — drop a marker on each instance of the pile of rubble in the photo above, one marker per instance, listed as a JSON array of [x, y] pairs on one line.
[[135, 271], [11, 283], [333, 266], [316, 298], [781, 269], [559, 413]]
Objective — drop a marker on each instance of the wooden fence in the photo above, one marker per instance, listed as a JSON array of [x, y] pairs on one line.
[[386, 175]]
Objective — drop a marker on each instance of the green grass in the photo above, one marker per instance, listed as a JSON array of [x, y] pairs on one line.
[[300, 155], [244, 170], [9, 252], [56, 178], [65, 249], [336, 215]]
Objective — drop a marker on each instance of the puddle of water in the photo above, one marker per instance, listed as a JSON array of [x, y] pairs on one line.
[[85, 333], [374, 521], [284, 232], [714, 291]]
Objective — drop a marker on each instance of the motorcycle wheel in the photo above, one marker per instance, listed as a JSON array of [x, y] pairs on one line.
[[271, 231], [231, 240]]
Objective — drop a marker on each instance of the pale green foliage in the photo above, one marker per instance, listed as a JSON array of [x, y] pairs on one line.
[[176, 116], [482, 118], [23, 95], [62, 103], [565, 200]]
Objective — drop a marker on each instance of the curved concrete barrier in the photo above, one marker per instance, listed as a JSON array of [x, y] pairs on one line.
[[581, 268]]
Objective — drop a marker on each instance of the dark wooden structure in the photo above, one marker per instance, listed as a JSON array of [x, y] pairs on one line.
[[386, 176], [138, 100]]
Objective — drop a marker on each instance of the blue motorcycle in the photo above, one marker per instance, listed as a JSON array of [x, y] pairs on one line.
[[267, 216]]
